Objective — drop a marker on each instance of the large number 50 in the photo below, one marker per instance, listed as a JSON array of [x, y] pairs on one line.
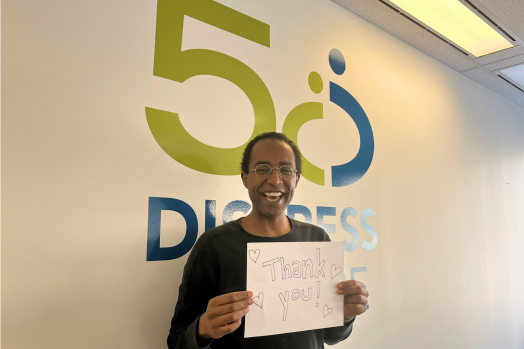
[[174, 64]]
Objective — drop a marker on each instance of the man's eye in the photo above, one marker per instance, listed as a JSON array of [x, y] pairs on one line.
[[286, 170], [263, 170]]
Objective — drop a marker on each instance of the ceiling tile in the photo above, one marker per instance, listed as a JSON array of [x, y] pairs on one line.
[[392, 22], [497, 56], [487, 78], [383, 17], [509, 12], [515, 74], [505, 63]]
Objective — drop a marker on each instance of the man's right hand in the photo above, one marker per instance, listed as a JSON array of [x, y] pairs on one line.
[[224, 314]]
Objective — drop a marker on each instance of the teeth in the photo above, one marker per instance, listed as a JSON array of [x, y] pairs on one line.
[[272, 194]]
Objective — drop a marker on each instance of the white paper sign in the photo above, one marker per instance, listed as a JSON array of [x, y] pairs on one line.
[[294, 286]]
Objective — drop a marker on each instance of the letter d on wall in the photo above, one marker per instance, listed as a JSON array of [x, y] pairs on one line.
[[154, 251]]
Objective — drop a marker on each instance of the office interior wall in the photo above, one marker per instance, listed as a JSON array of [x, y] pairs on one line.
[[79, 164]]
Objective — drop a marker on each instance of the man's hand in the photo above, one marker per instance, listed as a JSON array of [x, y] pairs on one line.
[[224, 314], [355, 298]]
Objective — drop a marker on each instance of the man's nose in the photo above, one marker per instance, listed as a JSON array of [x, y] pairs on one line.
[[274, 179]]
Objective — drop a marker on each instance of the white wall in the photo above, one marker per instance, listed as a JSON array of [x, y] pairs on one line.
[[79, 164]]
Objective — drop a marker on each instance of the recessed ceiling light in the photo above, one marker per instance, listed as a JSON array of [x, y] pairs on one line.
[[456, 22], [515, 73]]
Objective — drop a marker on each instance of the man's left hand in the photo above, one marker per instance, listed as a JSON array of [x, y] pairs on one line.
[[355, 298]]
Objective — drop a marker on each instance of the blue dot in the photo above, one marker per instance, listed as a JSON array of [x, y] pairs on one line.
[[337, 62]]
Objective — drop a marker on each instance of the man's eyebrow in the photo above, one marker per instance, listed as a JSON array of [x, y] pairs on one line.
[[281, 163], [260, 163]]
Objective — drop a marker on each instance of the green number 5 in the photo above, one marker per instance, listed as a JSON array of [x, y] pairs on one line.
[[177, 65]]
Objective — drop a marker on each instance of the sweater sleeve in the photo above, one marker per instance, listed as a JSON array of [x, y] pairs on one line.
[[199, 285], [333, 335]]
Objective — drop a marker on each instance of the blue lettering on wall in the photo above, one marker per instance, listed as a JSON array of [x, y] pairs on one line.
[[154, 251], [211, 215], [156, 205], [368, 246], [349, 211], [235, 206], [293, 210], [326, 211]]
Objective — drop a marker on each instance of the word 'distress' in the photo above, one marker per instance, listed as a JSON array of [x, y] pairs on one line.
[[352, 236]]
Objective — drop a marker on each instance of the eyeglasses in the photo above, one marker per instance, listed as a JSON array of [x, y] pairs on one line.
[[285, 171]]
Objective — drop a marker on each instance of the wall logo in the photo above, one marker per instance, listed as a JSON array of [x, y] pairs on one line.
[[177, 65]]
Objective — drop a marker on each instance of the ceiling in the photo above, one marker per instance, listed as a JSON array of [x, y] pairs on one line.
[[506, 16]]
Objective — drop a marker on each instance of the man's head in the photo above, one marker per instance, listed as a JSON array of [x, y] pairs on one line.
[[271, 191], [246, 157]]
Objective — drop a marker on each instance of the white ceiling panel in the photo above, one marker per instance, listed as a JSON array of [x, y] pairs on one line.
[[394, 23], [515, 74], [509, 12], [498, 56], [505, 63], [485, 77]]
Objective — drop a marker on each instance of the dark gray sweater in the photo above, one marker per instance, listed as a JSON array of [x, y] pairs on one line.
[[216, 266]]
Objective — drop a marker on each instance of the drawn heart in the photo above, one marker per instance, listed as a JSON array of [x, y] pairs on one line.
[[259, 300], [335, 271], [327, 310], [253, 254]]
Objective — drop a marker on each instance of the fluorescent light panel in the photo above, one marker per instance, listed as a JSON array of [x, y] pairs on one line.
[[515, 73], [456, 22]]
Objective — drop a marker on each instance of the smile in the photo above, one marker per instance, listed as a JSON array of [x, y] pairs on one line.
[[272, 195]]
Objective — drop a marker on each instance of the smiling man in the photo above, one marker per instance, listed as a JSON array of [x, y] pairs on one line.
[[213, 299]]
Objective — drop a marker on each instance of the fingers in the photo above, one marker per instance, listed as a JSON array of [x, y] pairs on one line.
[[352, 310], [224, 314], [229, 303], [231, 308], [232, 297], [227, 329], [351, 287], [224, 322], [349, 283], [356, 299], [216, 327], [353, 290]]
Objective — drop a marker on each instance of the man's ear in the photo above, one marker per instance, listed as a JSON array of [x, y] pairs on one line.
[[298, 178], [244, 178]]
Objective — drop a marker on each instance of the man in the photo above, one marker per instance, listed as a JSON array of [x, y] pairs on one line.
[[212, 298]]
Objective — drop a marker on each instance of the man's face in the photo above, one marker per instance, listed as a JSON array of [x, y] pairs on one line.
[[270, 196]]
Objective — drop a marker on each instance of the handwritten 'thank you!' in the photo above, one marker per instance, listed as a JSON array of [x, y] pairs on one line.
[[295, 286]]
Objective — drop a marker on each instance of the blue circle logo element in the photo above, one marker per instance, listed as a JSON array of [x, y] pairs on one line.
[[337, 61], [352, 171]]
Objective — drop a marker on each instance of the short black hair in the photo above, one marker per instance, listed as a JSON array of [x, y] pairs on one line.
[[246, 157]]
